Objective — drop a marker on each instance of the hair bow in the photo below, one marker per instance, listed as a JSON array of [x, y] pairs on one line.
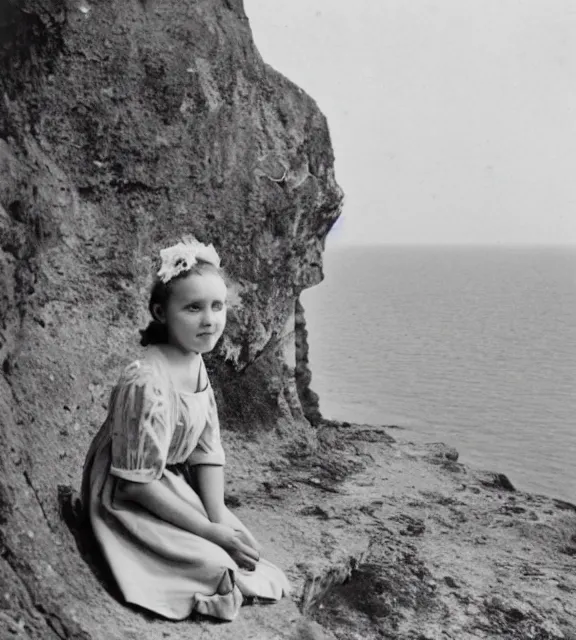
[[184, 255]]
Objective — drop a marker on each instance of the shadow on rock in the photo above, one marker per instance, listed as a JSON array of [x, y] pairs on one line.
[[77, 522]]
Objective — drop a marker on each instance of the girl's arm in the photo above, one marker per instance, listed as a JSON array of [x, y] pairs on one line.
[[210, 480], [159, 500]]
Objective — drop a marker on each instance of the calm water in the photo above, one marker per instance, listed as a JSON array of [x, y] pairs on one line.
[[475, 347]]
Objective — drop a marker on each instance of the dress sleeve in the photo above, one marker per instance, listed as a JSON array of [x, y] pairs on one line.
[[141, 426], [209, 448]]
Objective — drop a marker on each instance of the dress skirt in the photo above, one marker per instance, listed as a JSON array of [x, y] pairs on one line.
[[160, 566]]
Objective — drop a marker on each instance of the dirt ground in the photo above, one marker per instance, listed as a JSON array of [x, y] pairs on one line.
[[384, 538], [381, 538]]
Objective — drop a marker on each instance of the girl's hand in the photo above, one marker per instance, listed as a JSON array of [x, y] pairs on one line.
[[250, 540], [234, 542], [229, 519]]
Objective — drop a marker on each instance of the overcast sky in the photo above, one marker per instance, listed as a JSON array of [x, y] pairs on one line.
[[452, 121]]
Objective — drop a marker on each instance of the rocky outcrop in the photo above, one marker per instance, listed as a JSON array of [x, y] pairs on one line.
[[387, 538], [308, 398], [447, 554], [124, 125]]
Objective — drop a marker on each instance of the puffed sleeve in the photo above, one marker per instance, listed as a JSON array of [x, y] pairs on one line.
[[209, 448], [141, 425]]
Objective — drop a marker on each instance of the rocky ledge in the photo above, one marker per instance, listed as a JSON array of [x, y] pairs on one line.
[[385, 538]]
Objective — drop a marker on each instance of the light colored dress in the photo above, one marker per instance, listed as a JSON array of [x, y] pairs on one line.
[[149, 427]]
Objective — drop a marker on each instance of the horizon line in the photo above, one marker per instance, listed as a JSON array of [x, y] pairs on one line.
[[565, 245]]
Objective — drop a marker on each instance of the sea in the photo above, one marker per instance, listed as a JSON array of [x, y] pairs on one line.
[[467, 345]]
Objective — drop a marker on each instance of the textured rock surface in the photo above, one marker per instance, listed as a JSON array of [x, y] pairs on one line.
[[122, 126], [448, 555]]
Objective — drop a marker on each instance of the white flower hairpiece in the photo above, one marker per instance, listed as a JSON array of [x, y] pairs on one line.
[[184, 255]]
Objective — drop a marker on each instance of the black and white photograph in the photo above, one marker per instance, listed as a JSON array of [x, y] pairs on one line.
[[287, 320]]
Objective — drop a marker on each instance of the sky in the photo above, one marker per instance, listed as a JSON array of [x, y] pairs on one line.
[[452, 121]]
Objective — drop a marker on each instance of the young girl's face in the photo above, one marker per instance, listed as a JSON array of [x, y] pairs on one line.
[[196, 312]]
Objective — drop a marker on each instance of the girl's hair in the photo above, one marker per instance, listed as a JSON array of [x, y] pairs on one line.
[[156, 332]]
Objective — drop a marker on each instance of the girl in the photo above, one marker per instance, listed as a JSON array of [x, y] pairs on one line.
[[153, 483]]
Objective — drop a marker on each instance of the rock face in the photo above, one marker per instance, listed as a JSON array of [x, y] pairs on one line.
[[124, 125]]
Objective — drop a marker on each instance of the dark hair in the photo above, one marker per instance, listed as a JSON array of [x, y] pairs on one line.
[[156, 332]]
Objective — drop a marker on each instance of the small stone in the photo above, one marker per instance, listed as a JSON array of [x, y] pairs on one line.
[[278, 465], [495, 481], [449, 580], [315, 510], [232, 501]]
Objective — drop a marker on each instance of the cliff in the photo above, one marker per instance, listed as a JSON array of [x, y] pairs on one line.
[[122, 126]]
